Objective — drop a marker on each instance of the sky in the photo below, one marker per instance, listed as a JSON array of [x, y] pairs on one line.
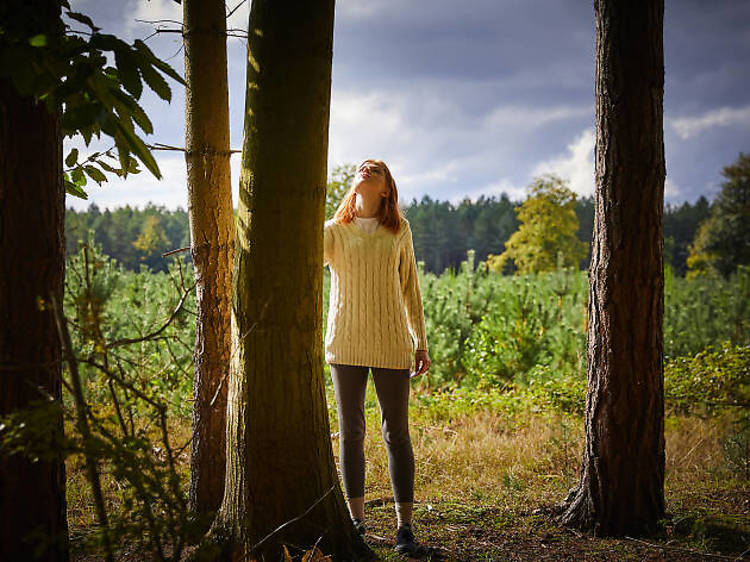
[[464, 99]]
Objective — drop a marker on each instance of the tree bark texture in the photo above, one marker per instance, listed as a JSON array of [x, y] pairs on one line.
[[32, 206], [279, 456], [621, 487], [212, 233]]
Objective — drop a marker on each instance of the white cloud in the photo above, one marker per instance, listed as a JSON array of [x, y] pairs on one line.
[[514, 192], [576, 165], [363, 126], [532, 117], [687, 127], [670, 189], [153, 10]]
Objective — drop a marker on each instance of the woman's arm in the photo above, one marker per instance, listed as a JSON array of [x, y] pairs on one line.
[[327, 244], [410, 289]]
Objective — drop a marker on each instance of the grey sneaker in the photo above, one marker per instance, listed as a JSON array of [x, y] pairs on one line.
[[359, 525], [405, 543]]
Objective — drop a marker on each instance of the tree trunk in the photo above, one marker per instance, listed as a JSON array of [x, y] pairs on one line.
[[212, 233], [32, 207], [280, 464], [621, 489]]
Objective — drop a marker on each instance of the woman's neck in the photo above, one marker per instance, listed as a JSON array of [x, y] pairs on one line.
[[366, 209]]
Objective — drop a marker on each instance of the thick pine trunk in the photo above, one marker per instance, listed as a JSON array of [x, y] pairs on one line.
[[279, 456], [621, 490], [212, 233], [32, 206]]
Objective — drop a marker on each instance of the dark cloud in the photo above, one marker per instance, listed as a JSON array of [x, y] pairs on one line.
[[473, 97]]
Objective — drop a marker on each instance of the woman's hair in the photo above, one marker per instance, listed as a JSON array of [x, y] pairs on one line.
[[388, 213]]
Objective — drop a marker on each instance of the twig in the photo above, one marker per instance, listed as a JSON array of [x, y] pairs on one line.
[[170, 252], [83, 425], [233, 10], [152, 335], [154, 22], [284, 525], [162, 146], [679, 549]]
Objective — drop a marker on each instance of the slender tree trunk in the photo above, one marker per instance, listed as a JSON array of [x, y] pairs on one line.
[[32, 206], [621, 489], [280, 463], [212, 233]]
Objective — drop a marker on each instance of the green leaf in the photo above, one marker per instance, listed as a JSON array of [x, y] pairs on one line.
[[38, 40], [106, 42], [107, 167], [128, 72], [84, 19], [78, 178], [95, 174], [140, 150], [133, 166], [132, 109], [156, 82], [72, 158], [160, 64], [74, 190]]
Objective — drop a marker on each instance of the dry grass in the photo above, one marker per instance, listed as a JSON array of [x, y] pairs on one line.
[[480, 477]]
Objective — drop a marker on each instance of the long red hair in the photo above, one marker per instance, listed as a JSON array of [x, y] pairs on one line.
[[388, 214]]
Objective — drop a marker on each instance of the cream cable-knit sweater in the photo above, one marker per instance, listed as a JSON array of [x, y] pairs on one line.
[[375, 304]]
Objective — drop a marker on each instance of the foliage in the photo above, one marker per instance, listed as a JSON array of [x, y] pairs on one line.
[[723, 240], [338, 185], [133, 363], [46, 57], [680, 227], [130, 235], [528, 326], [443, 233], [714, 378], [547, 235], [713, 381], [704, 311], [113, 310]]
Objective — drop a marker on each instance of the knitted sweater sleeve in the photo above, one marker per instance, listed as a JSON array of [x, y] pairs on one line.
[[410, 289]]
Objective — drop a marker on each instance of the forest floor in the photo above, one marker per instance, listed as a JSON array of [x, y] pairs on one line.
[[484, 486]]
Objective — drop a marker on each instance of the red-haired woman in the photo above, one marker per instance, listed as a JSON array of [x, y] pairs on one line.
[[375, 307]]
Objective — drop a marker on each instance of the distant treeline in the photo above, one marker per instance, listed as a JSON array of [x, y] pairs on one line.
[[443, 232]]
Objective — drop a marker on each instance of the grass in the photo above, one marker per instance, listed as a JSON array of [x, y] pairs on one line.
[[481, 475]]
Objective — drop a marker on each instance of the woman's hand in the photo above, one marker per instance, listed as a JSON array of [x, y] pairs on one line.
[[421, 362]]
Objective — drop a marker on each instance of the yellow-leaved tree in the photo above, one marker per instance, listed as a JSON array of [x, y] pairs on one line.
[[546, 238]]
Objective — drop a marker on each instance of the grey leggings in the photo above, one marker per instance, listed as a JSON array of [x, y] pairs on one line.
[[392, 387]]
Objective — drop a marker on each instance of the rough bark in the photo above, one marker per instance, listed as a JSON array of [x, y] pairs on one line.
[[279, 455], [32, 205], [621, 488], [212, 233]]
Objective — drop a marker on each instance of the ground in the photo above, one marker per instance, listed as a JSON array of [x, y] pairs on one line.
[[484, 483]]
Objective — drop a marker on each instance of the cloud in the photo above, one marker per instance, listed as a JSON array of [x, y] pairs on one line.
[[576, 165], [153, 10], [533, 117], [496, 189], [688, 127], [670, 189]]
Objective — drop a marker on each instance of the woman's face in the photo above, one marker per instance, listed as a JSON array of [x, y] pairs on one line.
[[370, 180]]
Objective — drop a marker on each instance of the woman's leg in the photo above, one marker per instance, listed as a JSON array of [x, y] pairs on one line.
[[349, 384], [392, 386]]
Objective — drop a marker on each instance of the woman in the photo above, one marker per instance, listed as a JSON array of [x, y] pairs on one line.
[[375, 302]]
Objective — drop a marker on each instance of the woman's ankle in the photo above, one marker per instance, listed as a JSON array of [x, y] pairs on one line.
[[357, 507], [404, 512]]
